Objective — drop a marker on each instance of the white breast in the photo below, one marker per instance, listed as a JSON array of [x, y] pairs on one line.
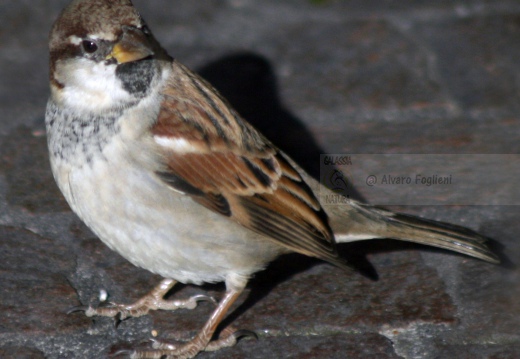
[[158, 229]]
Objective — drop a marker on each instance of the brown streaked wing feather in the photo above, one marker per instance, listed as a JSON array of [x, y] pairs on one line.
[[221, 173], [290, 221], [231, 169]]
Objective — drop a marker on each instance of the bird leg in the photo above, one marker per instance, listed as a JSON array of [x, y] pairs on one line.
[[202, 341], [152, 301]]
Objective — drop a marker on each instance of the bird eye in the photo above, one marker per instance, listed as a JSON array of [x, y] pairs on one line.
[[89, 46]]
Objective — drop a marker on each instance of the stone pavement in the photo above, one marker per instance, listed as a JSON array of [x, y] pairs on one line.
[[348, 76]]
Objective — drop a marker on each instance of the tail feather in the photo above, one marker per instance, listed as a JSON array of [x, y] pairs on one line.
[[354, 221], [368, 222]]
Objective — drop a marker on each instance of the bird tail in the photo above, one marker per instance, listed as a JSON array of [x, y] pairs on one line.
[[359, 222]]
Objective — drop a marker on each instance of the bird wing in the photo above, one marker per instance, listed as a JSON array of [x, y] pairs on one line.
[[224, 164]]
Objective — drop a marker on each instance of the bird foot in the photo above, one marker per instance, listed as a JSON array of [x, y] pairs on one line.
[[151, 301], [162, 350]]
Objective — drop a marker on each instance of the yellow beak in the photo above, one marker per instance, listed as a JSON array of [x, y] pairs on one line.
[[132, 46]]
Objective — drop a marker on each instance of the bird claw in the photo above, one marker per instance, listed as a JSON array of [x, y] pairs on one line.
[[204, 298], [91, 311], [245, 333], [78, 308], [126, 352]]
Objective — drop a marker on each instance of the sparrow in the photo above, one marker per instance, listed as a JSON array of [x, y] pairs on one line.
[[166, 173]]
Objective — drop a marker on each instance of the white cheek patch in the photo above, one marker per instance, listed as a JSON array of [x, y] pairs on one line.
[[179, 145], [90, 85]]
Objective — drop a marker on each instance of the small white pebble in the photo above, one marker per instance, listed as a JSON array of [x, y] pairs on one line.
[[103, 295], [154, 333]]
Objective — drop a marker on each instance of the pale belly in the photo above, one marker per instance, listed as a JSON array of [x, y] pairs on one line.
[[161, 230]]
